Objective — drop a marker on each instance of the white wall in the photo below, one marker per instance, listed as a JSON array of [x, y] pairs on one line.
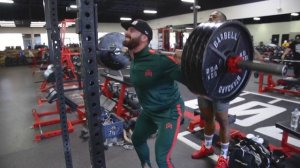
[[263, 32], [15, 39], [263, 8], [102, 27], [154, 42], [70, 36]]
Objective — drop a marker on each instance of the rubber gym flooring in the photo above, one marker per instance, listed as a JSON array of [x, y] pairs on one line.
[[256, 114]]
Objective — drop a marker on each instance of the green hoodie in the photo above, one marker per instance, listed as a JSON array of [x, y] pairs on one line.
[[153, 76]]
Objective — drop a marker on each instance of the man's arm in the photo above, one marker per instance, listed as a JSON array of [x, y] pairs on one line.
[[258, 56], [286, 52], [177, 56]]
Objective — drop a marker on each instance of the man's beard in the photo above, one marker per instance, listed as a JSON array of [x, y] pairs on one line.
[[132, 42]]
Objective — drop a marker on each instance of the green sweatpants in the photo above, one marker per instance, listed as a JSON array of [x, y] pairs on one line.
[[167, 124]]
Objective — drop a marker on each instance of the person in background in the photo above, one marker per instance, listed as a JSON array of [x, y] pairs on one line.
[[212, 110], [261, 44], [294, 47], [285, 44], [153, 76], [258, 56]]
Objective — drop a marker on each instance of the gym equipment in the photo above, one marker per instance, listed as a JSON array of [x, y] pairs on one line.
[[286, 147], [49, 74], [73, 102], [133, 101], [217, 60], [110, 52], [117, 93], [87, 28], [283, 85], [288, 85], [286, 60], [54, 47], [52, 95]]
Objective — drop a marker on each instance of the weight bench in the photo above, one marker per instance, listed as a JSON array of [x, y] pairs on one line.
[[285, 147]]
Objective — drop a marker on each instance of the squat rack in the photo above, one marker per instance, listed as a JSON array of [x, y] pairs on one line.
[[86, 27]]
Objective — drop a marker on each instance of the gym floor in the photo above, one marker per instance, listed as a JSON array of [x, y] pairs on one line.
[[18, 95]]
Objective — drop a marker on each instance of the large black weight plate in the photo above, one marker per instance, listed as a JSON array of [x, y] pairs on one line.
[[197, 43], [106, 56], [189, 58], [186, 59], [207, 30], [229, 39]]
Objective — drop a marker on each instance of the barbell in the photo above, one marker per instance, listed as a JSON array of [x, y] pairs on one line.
[[216, 60]]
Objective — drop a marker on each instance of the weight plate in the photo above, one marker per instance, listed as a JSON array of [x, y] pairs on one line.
[[195, 61], [207, 29], [108, 55], [186, 59], [229, 39], [193, 58]]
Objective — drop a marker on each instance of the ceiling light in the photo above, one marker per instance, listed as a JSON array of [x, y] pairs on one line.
[[295, 14], [7, 1], [256, 18], [67, 24], [196, 7], [125, 18], [73, 6], [37, 24], [189, 28], [7, 24], [150, 11], [189, 1]]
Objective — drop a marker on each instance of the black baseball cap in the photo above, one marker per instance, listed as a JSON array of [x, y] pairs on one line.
[[140, 25]]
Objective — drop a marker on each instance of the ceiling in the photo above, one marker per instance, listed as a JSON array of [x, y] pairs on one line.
[[110, 11], [24, 11]]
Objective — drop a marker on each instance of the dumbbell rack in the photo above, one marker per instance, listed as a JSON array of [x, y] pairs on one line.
[[121, 109], [272, 86]]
